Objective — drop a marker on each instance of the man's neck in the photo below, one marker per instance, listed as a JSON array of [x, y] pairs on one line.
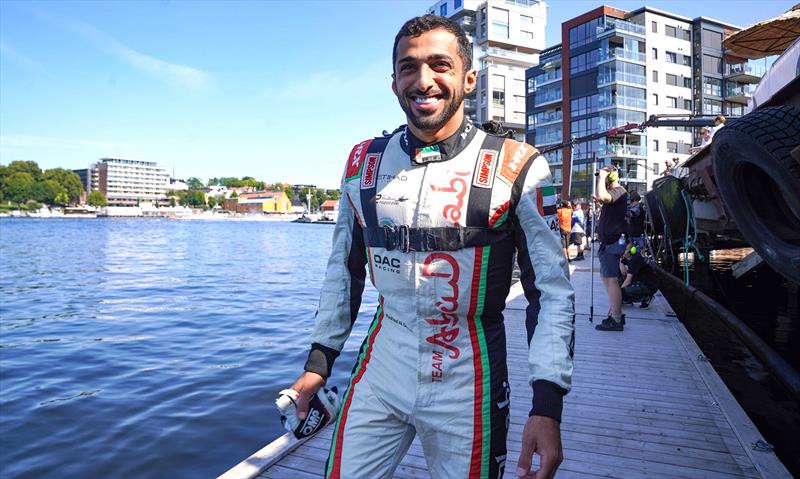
[[446, 131]]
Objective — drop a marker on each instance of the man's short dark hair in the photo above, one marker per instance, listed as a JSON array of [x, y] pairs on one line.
[[634, 196], [425, 23]]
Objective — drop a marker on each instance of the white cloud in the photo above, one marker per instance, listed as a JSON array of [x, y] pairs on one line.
[[20, 59]]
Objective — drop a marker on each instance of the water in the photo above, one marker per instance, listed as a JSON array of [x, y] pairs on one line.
[[152, 348], [765, 301]]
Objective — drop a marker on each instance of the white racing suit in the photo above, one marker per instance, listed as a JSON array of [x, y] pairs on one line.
[[437, 227]]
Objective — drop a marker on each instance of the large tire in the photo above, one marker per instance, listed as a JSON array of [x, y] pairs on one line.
[[759, 181]]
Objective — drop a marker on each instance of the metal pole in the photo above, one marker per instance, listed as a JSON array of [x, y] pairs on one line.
[[591, 237]]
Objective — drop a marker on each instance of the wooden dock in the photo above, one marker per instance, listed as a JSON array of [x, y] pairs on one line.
[[645, 403]]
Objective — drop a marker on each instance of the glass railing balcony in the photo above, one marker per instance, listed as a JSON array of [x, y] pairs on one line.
[[619, 101], [548, 139], [746, 69], [510, 55], [547, 97], [621, 26], [745, 91], [623, 151], [617, 76], [543, 119], [548, 77], [619, 53]]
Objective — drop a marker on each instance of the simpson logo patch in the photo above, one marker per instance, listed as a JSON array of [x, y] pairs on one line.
[[484, 172], [370, 171], [353, 169]]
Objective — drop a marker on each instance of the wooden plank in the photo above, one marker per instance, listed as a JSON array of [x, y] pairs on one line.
[[642, 405]]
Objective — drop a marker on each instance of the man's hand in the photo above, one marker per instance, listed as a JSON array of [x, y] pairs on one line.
[[306, 386], [542, 435]]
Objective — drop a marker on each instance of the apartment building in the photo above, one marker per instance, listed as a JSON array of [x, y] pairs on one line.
[[507, 36], [615, 67], [129, 182]]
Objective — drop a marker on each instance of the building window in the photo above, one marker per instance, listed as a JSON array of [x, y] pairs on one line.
[[498, 99], [712, 64], [672, 147], [712, 86], [443, 10], [654, 27], [672, 79], [584, 33], [687, 82], [712, 39], [655, 76], [687, 104], [500, 22], [712, 107], [528, 35], [531, 85], [687, 60], [457, 4], [526, 19], [656, 166], [672, 57], [655, 99], [655, 53], [672, 102], [670, 31], [584, 61], [655, 145], [519, 100]]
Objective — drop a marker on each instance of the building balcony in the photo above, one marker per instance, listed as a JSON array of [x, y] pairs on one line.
[[542, 140], [620, 54], [619, 101], [622, 151], [547, 78], [745, 72], [470, 104], [467, 23], [542, 99], [621, 77], [613, 27], [740, 93], [509, 56], [542, 120]]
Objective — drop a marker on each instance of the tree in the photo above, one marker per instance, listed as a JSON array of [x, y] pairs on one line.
[[70, 181], [97, 199], [46, 191], [172, 202], [61, 199], [18, 187], [194, 183], [30, 167], [213, 182], [194, 198], [212, 202]]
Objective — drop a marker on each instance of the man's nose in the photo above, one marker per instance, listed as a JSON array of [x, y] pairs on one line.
[[425, 78]]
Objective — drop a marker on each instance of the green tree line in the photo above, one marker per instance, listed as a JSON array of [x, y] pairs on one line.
[[22, 182]]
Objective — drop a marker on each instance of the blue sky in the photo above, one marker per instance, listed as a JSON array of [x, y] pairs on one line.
[[275, 90]]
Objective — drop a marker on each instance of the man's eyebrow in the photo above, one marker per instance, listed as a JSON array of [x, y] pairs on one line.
[[435, 56]]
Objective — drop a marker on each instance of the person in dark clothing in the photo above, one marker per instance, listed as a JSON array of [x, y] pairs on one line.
[[636, 219], [639, 284], [611, 229]]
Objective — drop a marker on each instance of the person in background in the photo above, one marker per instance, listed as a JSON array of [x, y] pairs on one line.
[[668, 166], [636, 217], [639, 284], [705, 140], [611, 228], [719, 122], [565, 226], [578, 230]]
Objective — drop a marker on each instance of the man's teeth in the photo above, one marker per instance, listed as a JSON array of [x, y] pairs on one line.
[[427, 100]]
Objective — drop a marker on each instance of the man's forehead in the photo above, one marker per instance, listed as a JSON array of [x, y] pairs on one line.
[[436, 42]]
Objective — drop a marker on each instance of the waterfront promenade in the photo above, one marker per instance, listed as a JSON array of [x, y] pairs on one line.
[[644, 403]]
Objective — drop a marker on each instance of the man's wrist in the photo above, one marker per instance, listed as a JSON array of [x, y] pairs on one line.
[[548, 400], [320, 360]]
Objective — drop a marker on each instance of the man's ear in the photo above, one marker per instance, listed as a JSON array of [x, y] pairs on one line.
[[470, 81], [394, 85]]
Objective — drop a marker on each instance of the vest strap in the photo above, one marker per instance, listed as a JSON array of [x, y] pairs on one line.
[[448, 238]]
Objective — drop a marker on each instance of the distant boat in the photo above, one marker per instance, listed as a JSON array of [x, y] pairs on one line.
[[302, 219]]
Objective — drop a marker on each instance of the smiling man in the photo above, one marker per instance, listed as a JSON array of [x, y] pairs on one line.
[[436, 213]]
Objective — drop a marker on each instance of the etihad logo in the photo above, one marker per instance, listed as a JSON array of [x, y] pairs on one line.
[[370, 173], [484, 173]]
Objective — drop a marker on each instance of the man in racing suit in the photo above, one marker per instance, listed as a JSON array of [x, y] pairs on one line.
[[435, 212]]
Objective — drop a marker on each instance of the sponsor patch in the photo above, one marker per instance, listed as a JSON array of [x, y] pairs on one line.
[[370, 171], [512, 164], [484, 172], [427, 155], [353, 169]]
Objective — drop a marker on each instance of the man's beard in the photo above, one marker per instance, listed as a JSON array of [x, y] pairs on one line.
[[432, 122]]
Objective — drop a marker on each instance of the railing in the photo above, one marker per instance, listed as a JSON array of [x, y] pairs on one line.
[[619, 53], [621, 26], [616, 76], [554, 117], [547, 77], [741, 90], [548, 97], [746, 69], [619, 101], [622, 150], [510, 54], [548, 139]]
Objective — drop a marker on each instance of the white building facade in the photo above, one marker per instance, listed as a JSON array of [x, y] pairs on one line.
[[129, 182], [507, 37]]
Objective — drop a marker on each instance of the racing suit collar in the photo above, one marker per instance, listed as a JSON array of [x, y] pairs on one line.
[[421, 153]]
